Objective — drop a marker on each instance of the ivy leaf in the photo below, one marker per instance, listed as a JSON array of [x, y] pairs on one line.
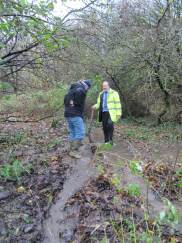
[[4, 27], [50, 6]]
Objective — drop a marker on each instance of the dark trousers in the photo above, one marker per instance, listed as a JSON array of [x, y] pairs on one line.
[[108, 127]]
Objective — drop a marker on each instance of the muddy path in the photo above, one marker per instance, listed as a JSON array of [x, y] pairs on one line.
[[63, 220], [162, 153], [125, 151], [60, 195], [60, 224]]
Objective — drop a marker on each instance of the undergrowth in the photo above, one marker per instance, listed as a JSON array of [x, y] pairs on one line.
[[14, 170], [131, 228], [34, 102], [168, 131]]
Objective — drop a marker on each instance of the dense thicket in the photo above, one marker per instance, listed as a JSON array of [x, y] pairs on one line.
[[135, 44]]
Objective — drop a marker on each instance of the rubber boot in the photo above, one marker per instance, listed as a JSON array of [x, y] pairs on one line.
[[80, 143], [71, 146], [74, 146]]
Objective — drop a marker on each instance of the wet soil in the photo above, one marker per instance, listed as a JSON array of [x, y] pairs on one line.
[[63, 199], [60, 225], [82, 212], [25, 200]]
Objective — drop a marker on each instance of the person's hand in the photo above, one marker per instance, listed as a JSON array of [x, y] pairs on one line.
[[93, 107]]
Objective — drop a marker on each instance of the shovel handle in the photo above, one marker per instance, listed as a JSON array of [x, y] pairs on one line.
[[90, 126], [92, 115]]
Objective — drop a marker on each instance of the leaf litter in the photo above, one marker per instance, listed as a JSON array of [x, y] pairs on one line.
[[26, 198], [103, 213]]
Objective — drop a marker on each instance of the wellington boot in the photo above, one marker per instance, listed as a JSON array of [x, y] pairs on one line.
[[74, 147], [75, 154], [77, 144], [71, 146]]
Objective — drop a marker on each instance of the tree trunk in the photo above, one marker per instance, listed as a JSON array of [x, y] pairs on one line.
[[116, 84], [163, 90]]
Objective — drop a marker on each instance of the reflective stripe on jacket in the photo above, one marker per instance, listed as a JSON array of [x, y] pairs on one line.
[[113, 104]]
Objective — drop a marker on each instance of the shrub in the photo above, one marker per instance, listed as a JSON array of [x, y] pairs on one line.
[[13, 171], [133, 190], [34, 102], [135, 167]]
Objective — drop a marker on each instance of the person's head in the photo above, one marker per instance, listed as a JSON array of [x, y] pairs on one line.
[[86, 83], [105, 86]]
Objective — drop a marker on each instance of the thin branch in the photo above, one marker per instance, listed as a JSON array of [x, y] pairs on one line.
[[24, 16], [20, 51], [17, 70], [163, 15], [77, 10]]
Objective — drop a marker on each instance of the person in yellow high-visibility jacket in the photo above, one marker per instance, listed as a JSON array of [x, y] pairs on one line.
[[110, 110]]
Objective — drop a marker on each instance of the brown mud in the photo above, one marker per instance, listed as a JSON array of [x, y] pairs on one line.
[[60, 225], [69, 219], [62, 199]]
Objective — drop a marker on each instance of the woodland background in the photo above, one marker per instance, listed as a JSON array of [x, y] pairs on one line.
[[137, 45]]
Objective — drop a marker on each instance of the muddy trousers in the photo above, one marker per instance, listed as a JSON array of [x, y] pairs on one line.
[[108, 127]]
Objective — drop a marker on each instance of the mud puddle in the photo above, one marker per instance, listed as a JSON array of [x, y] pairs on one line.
[[61, 223]]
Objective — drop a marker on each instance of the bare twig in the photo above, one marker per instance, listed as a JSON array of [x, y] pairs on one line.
[[170, 174], [163, 15], [64, 19], [25, 16]]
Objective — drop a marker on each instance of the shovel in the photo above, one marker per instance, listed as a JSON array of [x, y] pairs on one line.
[[90, 127], [93, 146]]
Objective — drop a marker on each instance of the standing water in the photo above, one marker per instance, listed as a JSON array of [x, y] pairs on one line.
[[60, 225]]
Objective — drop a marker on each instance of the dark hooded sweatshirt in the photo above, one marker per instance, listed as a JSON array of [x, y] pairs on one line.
[[74, 100]]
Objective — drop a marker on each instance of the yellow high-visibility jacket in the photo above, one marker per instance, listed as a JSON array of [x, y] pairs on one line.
[[113, 104]]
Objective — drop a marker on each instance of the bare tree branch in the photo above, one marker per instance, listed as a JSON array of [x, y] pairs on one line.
[[77, 10]]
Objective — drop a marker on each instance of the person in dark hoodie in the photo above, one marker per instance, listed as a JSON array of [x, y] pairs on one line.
[[74, 102]]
